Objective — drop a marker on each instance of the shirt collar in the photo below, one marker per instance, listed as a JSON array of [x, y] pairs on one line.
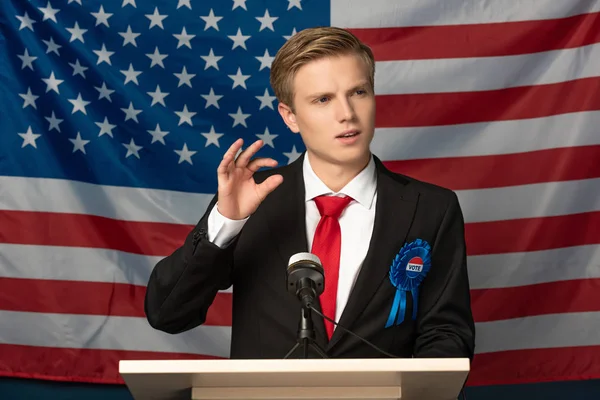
[[362, 188]]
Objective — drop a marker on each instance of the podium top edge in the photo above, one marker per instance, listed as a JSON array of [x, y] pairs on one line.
[[295, 365]]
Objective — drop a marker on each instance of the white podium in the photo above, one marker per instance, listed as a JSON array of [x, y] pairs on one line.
[[406, 379]]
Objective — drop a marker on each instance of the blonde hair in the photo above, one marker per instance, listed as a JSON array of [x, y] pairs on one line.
[[309, 45]]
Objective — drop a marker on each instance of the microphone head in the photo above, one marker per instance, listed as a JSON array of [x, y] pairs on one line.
[[304, 268], [305, 257]]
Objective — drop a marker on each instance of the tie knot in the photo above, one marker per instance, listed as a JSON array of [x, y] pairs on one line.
[[332, 206]]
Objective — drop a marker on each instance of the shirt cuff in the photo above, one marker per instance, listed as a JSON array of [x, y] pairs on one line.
[[222, 230]]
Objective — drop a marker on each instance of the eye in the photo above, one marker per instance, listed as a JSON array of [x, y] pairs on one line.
[[360, 91], [322, 99]]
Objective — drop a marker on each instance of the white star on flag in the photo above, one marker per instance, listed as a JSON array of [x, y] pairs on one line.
[[49, 12], [211, 20], [79, 143], [29, 138], [78, 69], [26, 22], [292, 155], [102, 17], [185, 154], [29, 98], [212, 137], [129, 36], [239, 118], [105, 127], [131, 75], [79, 104], [185, 116], [239, 40], [76, 33], [131, 113], [183, 39], [239, 79], [104, 55], [52, 83], [157, 58], [211, 60], [27, 60], [104, 92], [184, 77], [132, 149], [54, 122], [158, 96], [265, 61], [266, 21], [267, 137], [212, 99], [158, 135], [266, 100], [239, 3], [294, 3], [156, 19]]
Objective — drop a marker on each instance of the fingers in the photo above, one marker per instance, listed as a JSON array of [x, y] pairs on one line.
[[244, 157], [268, 185], [258, 163], [229, 157]]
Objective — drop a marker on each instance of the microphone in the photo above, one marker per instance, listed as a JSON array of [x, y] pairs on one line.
[[305, 278]]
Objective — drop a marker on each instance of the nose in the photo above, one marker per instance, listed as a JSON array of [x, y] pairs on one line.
[[345, 110]]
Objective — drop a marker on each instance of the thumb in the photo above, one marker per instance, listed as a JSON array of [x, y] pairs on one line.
[[268, 185]]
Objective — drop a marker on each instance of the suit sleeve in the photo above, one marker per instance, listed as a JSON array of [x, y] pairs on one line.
[[445, 326], [183, 285]]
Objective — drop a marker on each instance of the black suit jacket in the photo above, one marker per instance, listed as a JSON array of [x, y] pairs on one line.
[[265, 316]]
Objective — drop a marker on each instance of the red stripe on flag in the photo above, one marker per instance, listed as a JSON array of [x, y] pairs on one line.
[[481, 40], [92, 298], [500, 170], [535, 365], [570, 296], [81, 230], [428, 109], [532, 234], [75, 365], [527, 234]]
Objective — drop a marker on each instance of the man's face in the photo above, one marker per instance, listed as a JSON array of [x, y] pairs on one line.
[[332, 97]]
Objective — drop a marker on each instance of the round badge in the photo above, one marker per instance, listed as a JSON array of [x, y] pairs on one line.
[[414, 267]]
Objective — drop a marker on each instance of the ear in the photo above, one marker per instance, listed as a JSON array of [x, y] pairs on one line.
[[288, 117]]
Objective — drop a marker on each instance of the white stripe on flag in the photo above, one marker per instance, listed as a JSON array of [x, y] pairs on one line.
[[76, 264], [125, 203], [496, 271], [108, 333], [486, 73], [530, 201], [539, 332], [488, 138], [485, 271], [559, 198], [391, 13]]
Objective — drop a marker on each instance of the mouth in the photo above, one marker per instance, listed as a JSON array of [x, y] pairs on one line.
[[348, 134]]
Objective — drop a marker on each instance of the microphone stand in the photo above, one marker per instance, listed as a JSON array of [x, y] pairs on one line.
[[306, 335]]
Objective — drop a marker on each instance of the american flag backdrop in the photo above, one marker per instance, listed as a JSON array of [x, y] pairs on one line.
[[115, 114]]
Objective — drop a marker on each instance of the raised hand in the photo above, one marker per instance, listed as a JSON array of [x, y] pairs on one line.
[[239, 195]]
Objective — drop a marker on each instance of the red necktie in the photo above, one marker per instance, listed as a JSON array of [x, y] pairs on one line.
[[327, 246]]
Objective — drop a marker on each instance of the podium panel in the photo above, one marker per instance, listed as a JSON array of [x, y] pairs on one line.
[[406, 379]]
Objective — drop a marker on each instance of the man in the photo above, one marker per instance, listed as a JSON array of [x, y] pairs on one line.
[[393, 250]]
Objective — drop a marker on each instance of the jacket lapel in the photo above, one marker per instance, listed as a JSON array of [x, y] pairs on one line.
[[394, 211], [286, 216]]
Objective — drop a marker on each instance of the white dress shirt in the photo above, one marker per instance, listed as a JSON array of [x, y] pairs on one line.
[[356, 224]]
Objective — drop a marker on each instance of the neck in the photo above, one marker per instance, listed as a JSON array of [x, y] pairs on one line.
[[336, 176]]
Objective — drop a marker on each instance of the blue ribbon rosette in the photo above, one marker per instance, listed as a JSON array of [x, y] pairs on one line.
[[408, 269]]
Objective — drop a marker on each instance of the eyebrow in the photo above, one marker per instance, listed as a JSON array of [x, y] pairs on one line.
[[361, 84]]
